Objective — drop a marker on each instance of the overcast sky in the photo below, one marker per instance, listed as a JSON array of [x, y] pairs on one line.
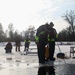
[[23, 13]]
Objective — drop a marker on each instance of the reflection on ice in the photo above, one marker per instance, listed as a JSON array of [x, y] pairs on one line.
[[14, 68], [46, 70]]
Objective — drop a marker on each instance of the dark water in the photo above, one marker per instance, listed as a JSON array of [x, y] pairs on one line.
[[66, 69], [46, 71]]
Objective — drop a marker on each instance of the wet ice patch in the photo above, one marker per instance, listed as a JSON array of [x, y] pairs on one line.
[[66, 69], [10, 58], [18, 60]]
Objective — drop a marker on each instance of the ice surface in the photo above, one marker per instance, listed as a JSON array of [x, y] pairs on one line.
[[17, 64]]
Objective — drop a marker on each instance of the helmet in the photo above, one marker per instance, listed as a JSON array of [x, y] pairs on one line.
[[51, 23]]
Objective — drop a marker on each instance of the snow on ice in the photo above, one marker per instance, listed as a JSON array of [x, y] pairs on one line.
[[17, 64]]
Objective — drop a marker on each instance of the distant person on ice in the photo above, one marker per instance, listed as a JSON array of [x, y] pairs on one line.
[[18, 43], [27, 43], [8, 48], [46, 34]]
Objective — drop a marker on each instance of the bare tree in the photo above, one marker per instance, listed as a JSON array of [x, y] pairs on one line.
[[69, 17], [2, 35], [11, 29], [31, 31]]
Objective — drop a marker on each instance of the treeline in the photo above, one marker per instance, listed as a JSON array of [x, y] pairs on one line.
[[11, 34], [67, 34]]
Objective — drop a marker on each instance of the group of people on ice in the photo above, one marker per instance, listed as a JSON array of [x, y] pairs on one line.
[[8, 47], [46, 35]]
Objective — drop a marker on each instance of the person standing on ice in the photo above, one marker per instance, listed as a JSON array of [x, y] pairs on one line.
[[46, 34], [52, 37], [18, 43], [27, 43]]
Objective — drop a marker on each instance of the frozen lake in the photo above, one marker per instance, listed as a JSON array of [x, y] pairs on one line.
[[17, 64]]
